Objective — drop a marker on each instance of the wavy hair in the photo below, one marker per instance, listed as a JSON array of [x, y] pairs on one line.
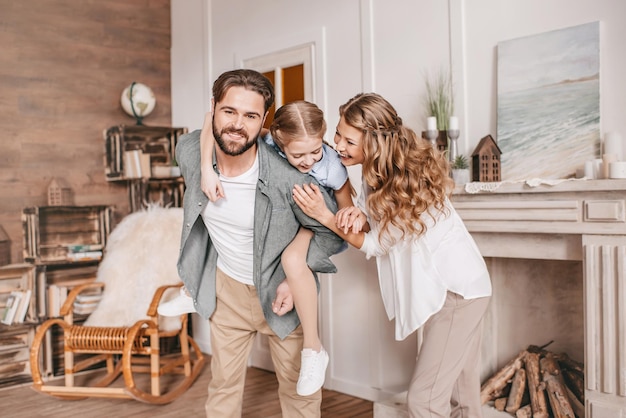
[[405, 175]]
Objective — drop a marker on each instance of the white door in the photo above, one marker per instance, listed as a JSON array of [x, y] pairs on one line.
[[291, 73]]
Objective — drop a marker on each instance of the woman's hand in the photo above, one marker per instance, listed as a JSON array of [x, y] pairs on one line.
[[209, 183], [350, 219], [310, 199]]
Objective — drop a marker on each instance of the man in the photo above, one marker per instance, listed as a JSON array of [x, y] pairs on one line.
[[231, 248]]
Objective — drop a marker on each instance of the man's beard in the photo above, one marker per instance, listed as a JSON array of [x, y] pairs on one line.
[[234, 148]]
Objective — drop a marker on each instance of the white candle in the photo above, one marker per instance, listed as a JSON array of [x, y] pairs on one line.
[[432, 123], [613, 145], [589, 170], [454, 123]]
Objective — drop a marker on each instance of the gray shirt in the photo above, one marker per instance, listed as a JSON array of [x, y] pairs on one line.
[[277, 219]]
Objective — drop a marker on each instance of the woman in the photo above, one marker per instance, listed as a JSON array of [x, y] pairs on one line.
[[430, 271]]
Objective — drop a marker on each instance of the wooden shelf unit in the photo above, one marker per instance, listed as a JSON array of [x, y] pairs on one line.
[[15, 339], [52, 233], [143, 157], [62, 247]]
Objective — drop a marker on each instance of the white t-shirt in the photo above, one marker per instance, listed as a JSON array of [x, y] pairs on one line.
[[230, 222]]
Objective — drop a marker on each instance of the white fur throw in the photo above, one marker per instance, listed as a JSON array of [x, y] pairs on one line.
[[141, 255]]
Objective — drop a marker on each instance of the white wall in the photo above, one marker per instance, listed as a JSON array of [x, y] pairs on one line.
[[190, 53], [488, 22], [387, 47]]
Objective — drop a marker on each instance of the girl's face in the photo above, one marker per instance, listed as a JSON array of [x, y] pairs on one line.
[[349, 141], [302, 153]]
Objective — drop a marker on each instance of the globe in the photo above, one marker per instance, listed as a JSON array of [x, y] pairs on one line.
[[138, 100]]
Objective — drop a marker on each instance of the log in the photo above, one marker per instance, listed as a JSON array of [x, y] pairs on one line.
[[518, 387], [555, 387], [496, 383], [500, 403], [524, 412], [576, 383], [539, 350], [577, 406], [567, 362], [538, 401]]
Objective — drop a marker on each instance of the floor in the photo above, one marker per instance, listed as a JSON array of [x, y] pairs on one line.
[[260, 401]]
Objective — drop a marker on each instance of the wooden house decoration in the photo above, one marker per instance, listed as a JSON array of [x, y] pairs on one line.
[[486, 166], [59, 193]]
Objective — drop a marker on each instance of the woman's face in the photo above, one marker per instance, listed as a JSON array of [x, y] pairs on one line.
[[349, 141]]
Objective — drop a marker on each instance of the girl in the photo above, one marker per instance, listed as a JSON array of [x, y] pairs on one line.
[[297, 133], [430, 271]]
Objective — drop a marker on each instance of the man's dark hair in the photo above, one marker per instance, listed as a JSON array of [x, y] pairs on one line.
[[249, 79]]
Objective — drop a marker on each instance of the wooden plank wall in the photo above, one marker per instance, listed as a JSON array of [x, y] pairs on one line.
[[63, 67]]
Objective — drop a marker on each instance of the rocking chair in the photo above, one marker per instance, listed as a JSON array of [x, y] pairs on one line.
[[125, 332]]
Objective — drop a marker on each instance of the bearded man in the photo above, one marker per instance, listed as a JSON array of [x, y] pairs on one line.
[[231, 248]]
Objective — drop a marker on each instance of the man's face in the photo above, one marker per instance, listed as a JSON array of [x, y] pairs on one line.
[[237, 120]]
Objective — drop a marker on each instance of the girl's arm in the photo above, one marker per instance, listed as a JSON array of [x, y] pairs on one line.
[[353, 219], [209, 182], [343, 196], [309, 198]]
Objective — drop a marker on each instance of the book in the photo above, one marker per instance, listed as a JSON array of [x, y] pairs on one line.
[[85, 255], [81, 248], [54, 304], [11, 307], [22, 309], [87, 302], [132, 164]]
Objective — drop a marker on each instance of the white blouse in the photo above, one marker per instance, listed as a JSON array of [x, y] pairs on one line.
[[415, 274]]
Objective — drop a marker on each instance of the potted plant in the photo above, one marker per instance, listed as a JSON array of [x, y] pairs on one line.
[[460, 170], [439, 98]]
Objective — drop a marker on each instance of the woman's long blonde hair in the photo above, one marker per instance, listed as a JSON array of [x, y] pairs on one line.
[[405, 175]]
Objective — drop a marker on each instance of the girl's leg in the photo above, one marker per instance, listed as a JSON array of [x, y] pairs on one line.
[[181, 304], [314, 358], [303, 286]]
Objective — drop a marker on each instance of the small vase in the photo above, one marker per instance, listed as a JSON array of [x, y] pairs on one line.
[[461, 175]]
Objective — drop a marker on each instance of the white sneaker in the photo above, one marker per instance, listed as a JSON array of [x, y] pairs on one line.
[[181, 304], [312, 371]]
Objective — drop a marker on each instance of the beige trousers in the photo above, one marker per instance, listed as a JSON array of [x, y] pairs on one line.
[[446, 380], [237, 319]]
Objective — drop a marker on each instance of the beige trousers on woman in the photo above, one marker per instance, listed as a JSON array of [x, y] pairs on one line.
[[446, 380], [238, 317]]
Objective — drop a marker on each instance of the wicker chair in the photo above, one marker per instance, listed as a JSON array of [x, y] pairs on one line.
[[129, 345]]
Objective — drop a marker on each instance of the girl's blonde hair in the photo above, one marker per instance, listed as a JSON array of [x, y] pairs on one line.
[[296, 120], [405, 175]]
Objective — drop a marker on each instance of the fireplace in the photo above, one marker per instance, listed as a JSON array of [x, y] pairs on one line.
[[566, 244]]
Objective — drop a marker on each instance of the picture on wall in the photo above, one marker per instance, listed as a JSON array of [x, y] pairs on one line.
[[549, 102]]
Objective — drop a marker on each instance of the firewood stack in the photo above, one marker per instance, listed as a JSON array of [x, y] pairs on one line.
[[539, 384]]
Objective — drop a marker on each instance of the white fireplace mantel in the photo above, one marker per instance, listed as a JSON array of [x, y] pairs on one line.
[[573, 220]]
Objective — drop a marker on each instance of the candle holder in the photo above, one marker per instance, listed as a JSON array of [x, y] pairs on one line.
[[432, 135], [453, 134]]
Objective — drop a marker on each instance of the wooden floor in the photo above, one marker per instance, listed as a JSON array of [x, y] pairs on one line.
[[260, 401]]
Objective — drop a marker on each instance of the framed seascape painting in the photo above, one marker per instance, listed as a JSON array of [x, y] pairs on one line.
[[549, 102]]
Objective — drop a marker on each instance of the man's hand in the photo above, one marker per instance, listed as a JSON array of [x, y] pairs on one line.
[[284, 300]]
